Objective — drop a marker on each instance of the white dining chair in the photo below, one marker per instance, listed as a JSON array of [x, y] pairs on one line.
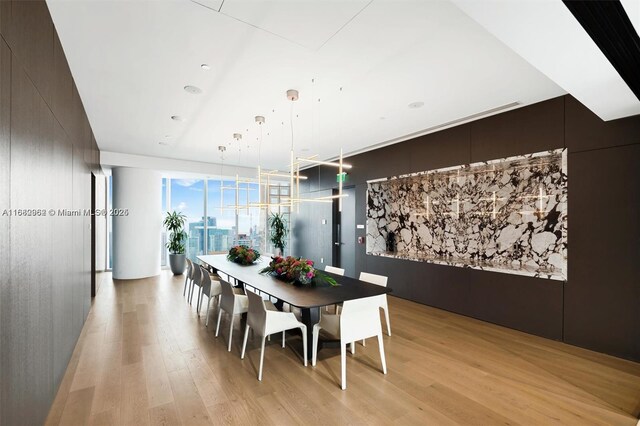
[[380, 280], [187, 276], [359, 319], [232, 302], [212, 289], [264, 319], [337, 271], [334, 270], [196, 281]]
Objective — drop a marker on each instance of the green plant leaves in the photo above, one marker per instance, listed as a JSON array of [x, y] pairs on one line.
[[174, 223], [278, 231]]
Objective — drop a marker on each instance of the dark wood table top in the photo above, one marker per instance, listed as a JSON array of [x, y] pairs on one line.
[[308, 296]]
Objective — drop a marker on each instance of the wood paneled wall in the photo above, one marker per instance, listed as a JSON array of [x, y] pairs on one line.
[[47, 155], [598, 307]]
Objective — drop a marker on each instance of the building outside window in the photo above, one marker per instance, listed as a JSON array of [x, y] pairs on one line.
[[214, 224]]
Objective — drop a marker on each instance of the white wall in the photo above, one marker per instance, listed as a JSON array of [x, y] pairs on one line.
[[136, 236], [101, 223]]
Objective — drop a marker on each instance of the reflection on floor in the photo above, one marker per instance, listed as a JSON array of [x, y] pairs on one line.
[[145, 357]]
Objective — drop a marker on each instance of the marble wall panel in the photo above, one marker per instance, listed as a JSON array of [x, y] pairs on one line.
[[506, 215]]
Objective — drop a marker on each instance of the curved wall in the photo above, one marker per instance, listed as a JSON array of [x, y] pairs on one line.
[[136, 236]]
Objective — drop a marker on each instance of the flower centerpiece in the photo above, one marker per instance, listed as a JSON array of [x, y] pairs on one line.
[[295, 270], [243, 255]]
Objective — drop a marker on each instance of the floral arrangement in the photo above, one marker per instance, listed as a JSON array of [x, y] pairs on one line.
[[243, 255], [295, 269]]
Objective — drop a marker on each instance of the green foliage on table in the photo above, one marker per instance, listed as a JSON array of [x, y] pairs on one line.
[[296, 269], [243, 255]]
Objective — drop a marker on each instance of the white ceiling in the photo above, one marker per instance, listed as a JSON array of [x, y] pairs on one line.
[[131, 60], [547, 35]]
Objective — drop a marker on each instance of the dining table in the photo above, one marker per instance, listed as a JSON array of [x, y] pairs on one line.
[[308, 298]]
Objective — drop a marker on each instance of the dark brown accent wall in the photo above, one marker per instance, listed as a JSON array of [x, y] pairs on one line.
[[47, 155], [597, 307]]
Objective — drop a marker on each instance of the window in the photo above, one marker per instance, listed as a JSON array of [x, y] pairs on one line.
[[187, 197], [213, 223], [250, 219], [221, 216]]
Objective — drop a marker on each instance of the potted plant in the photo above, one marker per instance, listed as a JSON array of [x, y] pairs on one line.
[[278, 232], [174, 223]]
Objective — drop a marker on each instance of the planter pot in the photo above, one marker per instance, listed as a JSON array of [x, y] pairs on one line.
[[178, 263]]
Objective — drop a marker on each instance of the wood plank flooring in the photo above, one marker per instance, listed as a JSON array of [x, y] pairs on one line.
[[146, 358]]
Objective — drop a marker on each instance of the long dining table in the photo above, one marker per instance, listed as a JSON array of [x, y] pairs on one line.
[[308, 298]]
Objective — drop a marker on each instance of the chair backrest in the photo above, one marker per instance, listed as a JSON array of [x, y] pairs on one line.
[[257, 316], [380, 280], [334, 270], [205, 280], [197, 274], [189, 267], [360, 319], [228, 297]]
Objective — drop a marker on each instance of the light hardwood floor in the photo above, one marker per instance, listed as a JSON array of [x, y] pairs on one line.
[[145, 357]]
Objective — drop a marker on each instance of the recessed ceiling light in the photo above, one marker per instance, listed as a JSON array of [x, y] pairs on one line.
[[193, 90], [177, 118], [205, 67], [163, 143], [415, 105]]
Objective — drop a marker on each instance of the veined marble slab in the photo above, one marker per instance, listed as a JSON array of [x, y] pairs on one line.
[[507, 215]]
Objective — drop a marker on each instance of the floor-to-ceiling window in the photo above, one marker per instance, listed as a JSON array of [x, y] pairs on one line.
[[187, 197], [220, 214], [250, 231]]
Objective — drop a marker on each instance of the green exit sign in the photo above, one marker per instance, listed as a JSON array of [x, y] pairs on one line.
[[341, 177]]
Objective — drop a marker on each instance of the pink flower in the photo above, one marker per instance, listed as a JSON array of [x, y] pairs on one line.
[[309, 274], [279, 270], [310, 262]]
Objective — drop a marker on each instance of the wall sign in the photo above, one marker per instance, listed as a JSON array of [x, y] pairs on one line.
[[507, 215]]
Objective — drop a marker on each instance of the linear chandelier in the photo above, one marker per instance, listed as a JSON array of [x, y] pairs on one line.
[[293, 175]]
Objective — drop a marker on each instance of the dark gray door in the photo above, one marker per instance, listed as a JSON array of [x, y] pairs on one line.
[[347, 233]]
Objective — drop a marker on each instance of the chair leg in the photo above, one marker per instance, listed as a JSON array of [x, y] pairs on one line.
[[200, 299], [384, 362], [364, 342], [314, 353], [261, 359], [386, 317], [206, 323], [244, 342], [343, 364], [184, 291], [230, 331], [353, 348], [218, 325], [304, 344], [283, 338]]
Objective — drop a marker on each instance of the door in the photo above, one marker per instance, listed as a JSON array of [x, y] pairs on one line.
[[346, 233]]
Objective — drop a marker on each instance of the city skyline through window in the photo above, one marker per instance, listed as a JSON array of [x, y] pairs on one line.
[[208, 213]]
